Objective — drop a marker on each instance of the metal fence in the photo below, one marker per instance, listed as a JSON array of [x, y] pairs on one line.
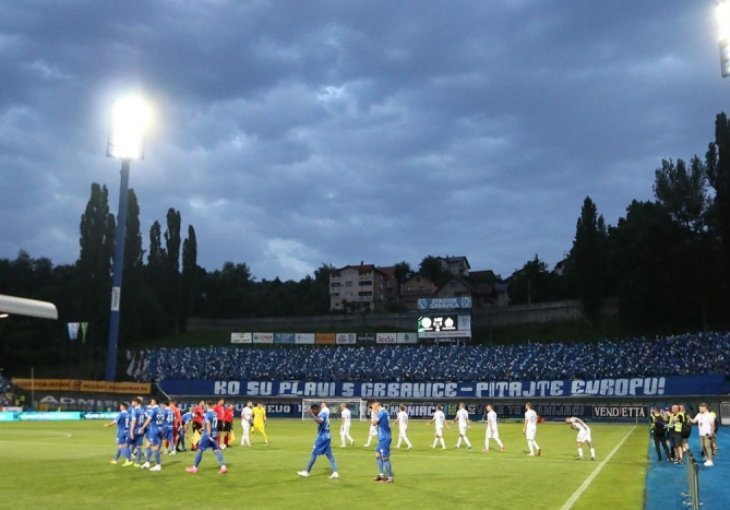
[[692, 497]]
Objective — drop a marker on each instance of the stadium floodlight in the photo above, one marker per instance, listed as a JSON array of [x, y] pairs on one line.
[[131, 117], [723, 23]]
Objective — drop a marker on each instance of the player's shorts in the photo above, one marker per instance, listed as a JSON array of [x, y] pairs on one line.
[[197, 426], [584, 435], [373, 431], [153, 437], [492, 434], [322, 447], [402, 432], [531, 433], [221, 425], [123, 440], [675, 438], [246, 426], [439, 431], [227, 426], [384, 448], [168, 435], [462, 430], [137, 440], [208, 442]]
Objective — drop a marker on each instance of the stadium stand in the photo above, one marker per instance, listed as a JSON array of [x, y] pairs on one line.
[[685, 354]]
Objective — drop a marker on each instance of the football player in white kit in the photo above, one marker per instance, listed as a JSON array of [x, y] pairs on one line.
[[462, 418], [403, 427], [530, 430], [346, 417], [372, 432], [439, 420], [492, 429], [246, 419], [584, 436]]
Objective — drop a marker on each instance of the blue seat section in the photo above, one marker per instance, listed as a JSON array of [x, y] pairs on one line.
[[687, 354]]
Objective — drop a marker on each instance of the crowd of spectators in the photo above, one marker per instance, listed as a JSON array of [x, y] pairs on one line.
[[685, 354], [5, 394]]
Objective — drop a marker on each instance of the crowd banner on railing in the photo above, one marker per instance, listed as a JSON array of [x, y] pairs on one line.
[[304, 338], [325, 338], [263, 338], [241, 338], [82, 386], [346, 338], [386, 338], [407, 338], [623, 387], [283, 338]]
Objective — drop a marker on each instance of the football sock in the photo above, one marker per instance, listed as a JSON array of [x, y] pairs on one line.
[[443, 444], [219, 456], [310, 464], [157, 456], [331, 458], [148, 454], [118, 454], [198, 458], [125, 452], [380, 465], [580, 453], [593, 453], [387, 468], [458, 442], [468, 443], [532, 448], [499, 443]]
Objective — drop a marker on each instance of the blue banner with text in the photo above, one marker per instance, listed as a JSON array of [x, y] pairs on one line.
[[712, 384]]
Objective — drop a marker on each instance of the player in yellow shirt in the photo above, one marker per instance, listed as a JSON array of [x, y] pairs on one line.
[[259, 422]]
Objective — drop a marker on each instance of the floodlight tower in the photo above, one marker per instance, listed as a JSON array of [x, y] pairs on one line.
[[130, 119], [723, 22]]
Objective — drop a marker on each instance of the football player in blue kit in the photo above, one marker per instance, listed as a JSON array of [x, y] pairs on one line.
[[209, 439], [122, 422], [381, 419], [153, 422], [136, 430], [323, 442]]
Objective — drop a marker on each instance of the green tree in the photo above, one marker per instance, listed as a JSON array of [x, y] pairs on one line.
[[190, 276], [403, 271], [431, 268], [533, 283], [588, 259], [96, 242], [683, 192]]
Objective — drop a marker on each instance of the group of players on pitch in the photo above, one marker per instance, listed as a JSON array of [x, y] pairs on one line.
[[147, 428]]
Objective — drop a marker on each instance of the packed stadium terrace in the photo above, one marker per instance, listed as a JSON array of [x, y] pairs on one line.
[[685, 354]]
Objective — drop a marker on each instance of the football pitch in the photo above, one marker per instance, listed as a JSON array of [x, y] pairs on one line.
[[66, 465]]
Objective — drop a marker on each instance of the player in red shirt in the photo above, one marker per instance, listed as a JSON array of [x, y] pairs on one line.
[[228, 423], [176, 424], [198, 412], [220, 412]]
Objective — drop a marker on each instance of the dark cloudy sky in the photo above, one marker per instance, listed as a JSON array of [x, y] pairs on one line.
[[291, 133]]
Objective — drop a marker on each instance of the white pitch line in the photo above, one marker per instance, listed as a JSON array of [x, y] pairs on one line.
[[579, 492]]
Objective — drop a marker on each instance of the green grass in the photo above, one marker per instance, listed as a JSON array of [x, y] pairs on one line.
[[66, 465]]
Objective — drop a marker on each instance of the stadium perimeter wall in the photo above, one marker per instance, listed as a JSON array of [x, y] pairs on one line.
[[554, 311]]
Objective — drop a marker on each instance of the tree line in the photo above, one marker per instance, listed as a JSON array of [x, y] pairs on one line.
[[666, 263]]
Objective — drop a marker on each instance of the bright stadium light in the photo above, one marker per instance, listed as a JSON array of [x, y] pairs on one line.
[[131, 117], [723, 24]]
